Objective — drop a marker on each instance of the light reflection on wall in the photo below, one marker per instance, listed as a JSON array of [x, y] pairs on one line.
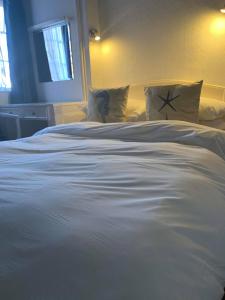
[[131, 57], [218, 26], [105, 49]]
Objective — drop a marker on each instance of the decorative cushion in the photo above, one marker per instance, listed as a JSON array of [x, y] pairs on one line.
[[108, 106], [174, 102]]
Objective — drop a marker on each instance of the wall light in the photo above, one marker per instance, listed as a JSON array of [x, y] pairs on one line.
[[223, 10], [94, 35]]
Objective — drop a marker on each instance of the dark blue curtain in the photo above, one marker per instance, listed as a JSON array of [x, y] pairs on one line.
[[20, 59]]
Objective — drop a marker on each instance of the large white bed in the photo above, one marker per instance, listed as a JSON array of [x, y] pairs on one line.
[[113, 212]]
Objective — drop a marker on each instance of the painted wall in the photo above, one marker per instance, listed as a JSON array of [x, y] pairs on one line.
[[151, 40], [94, 48], [4, 98], [39, 11]]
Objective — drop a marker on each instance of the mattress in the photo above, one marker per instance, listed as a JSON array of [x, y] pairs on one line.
[[114, 211]]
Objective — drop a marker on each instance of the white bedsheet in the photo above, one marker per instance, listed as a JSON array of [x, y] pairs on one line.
[[113, 212]]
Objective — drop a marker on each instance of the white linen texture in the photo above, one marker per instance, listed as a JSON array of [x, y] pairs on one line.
[[211, 109], [112, 212]]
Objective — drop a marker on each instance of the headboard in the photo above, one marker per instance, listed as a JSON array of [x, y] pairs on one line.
[[136, 94]]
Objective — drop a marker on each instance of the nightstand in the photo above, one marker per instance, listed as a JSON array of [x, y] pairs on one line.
[[14, 127], [22, 120], [30, 125]]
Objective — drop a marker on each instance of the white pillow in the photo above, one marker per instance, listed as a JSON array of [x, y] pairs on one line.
[[74, 112], [211, 109], [136, 116], [136, 110]]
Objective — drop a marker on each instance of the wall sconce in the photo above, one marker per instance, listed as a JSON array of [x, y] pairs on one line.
[[223, 10], [94, 35]]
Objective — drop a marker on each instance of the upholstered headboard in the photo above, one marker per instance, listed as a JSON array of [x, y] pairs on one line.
[[137, 97]]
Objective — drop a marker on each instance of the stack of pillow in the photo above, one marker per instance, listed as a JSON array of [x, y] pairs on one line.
[[212, 113], [170, 102]]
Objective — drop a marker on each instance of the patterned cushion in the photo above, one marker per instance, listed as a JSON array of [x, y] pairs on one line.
[[108, 106], [174, 102]]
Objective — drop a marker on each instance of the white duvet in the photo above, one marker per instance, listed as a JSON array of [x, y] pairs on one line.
[[113, 212]]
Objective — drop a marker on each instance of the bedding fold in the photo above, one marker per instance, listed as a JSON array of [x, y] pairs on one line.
[[157, 131]]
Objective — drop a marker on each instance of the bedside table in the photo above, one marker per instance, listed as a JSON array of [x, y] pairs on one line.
[[9, 125], [14, 127], [22, 120], [30, 125]]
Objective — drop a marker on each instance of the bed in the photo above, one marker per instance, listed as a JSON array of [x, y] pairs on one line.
[[115, 211]]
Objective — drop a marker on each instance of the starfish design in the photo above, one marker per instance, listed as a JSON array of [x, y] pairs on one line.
[[167, 101]]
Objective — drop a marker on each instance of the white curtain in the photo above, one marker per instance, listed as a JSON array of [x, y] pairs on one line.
[[5, 82], [54, 44]]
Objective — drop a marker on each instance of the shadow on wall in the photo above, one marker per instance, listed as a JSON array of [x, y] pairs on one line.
[[131, 10]]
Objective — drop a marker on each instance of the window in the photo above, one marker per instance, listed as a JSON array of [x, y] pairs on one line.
[[5, 83], [55, 45]]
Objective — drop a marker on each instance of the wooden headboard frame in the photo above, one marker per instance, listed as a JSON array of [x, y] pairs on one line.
[[136, 94]]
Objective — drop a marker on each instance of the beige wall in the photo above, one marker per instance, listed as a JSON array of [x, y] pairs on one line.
[[145, 40]]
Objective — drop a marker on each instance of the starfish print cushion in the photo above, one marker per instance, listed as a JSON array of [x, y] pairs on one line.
[[174, 102], [108, 106]]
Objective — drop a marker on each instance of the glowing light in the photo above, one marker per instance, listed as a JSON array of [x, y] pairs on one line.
[[97, 38], [218, 26], [94, 35], [223, 10]]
